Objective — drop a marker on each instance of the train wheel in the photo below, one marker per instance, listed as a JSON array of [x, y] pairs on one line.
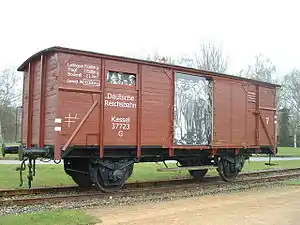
[[198, 174], [130, 170], [229, 167], [83, 180], [79, 171], [108, 177]]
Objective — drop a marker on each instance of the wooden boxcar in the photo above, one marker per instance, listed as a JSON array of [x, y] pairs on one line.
[[102, 113]]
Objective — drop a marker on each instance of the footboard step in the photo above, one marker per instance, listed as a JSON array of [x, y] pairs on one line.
[[185, 168]]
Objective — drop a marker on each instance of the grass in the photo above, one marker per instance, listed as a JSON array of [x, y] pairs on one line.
[[57, 217], [8, 156], [292, 182], [54, 175], [46, 175], [289, 151], [250, 166]]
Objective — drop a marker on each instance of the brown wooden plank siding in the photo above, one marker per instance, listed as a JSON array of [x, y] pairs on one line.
[[267, 103], [156, 105], [74, 107], [36, 77], [238, 114], [51, 84], [75, 104], [234, 114], [25, 106], [250, 116], [222, 109]]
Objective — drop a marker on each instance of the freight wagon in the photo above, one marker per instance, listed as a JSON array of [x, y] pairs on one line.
[[100, 114]]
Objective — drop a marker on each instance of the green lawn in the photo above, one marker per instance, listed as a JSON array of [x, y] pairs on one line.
[[289, 151], [292, 182], [57, 217], [250, 166], [8, 156], [54, 175]]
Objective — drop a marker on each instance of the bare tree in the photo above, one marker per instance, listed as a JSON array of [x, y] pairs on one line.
[[10, 93], [156, 57], [291, 98], [10, 97], [210, 57], [262, 69]]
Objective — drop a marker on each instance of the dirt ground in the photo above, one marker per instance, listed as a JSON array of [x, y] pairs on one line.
[[263, 206]]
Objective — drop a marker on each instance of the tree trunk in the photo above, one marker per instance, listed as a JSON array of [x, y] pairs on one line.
[[295, 139], [1, 137]]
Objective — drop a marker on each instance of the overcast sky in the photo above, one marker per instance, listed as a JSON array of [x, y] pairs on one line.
[[138, 28]]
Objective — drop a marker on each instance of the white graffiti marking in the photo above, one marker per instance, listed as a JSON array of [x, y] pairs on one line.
[[267, 120], [70, 119]]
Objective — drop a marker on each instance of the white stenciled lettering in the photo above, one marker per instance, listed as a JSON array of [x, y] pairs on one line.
[[91, 67], [119, 104], [72, 81], [87, 74], [119, 100], [117, 119], [90, 71], [120, 133], [75, 65], [119, 97], [91, 82], [73, 74], [120, 124]]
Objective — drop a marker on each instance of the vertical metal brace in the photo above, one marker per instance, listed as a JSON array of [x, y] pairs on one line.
[[42, 103], [101, 120], [257, 111], [29, 105], [139, 111], [172, 108]]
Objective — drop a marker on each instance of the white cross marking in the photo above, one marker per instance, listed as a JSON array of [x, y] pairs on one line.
[[71, 119]]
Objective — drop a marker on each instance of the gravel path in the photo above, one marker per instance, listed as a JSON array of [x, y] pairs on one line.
[[275, 205]]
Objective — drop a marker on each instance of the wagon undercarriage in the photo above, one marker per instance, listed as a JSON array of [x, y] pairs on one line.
[[107, 175], [111, 175]]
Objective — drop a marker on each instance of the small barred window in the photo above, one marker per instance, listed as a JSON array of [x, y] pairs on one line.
[[121, 78]]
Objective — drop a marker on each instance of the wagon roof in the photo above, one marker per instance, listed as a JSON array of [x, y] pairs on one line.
[[133, 60]]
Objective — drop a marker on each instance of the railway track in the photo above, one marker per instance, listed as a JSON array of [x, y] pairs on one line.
[[73, 193], [61, 189]]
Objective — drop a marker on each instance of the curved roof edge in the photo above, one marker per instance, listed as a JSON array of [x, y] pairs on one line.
[[26, 62], [132, 60]]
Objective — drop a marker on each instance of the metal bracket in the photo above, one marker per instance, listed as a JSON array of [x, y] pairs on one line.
[[174, 169]]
